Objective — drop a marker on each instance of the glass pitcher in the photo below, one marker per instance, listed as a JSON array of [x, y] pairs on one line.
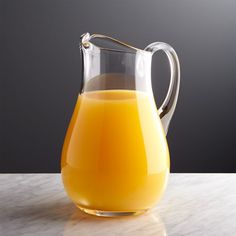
[[115, 158]]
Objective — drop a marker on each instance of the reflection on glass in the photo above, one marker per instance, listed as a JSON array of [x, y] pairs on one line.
[[83, 225]]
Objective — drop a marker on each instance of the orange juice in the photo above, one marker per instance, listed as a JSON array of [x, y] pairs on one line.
[[115, 156]]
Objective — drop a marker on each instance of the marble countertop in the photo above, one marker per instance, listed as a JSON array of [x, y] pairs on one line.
[[194, 204]]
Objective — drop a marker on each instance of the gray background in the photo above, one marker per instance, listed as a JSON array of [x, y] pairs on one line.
[[41, 75]]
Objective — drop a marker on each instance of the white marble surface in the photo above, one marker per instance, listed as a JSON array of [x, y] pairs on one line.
[[194, 204]]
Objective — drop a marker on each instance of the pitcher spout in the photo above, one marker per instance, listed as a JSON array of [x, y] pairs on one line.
[[84, 40]]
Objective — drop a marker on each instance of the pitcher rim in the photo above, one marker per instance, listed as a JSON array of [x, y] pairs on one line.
[[86, 37]]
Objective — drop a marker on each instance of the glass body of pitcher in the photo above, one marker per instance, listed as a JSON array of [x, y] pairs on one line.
[[115, 158]]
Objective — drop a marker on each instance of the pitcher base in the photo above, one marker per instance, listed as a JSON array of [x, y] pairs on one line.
[[111, 213]]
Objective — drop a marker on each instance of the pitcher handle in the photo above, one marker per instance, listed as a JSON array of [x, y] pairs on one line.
[[168, 106]]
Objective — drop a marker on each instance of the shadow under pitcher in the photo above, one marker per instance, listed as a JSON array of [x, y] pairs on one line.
[[115, 158]]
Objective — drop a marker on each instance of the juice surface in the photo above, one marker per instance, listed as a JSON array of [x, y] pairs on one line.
[[115, 156]]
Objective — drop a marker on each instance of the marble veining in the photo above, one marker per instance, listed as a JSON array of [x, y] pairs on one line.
[[194, 204]]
